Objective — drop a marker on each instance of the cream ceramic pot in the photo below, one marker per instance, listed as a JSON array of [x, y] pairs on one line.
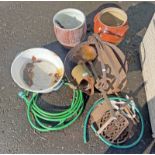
[[69, 27]]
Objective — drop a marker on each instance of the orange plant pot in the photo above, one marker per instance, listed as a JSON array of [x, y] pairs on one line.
[[111, 24]]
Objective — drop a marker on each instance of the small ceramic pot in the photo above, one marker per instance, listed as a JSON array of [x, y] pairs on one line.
[[70, 27], [111, 24]]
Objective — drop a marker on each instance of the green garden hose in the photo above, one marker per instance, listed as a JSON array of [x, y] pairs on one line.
[[54, 121], [101, 137]]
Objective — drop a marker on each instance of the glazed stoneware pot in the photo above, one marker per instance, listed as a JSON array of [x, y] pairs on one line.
[[111, 24], [69, 27]]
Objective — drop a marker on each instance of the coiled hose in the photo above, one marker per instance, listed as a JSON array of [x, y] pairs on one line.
[[54, 121], [101, 137]]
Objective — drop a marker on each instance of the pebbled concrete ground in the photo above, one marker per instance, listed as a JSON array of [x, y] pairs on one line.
[[25, 25]]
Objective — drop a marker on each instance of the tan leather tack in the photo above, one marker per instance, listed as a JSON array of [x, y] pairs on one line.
[[84, 78], [110, 63]]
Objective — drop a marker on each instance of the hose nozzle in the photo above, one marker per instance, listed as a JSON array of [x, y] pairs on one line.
[[21, 94]]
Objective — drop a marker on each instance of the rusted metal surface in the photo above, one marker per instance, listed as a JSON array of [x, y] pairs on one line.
[[116, 130], [112, 68], [113, 128], [28, 74], [115, 65]]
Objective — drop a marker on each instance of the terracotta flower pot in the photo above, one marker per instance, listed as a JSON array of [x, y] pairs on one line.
[[69, 27], [111, 24]]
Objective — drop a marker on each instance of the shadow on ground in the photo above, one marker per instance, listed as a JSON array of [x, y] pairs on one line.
[[139, 17]]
